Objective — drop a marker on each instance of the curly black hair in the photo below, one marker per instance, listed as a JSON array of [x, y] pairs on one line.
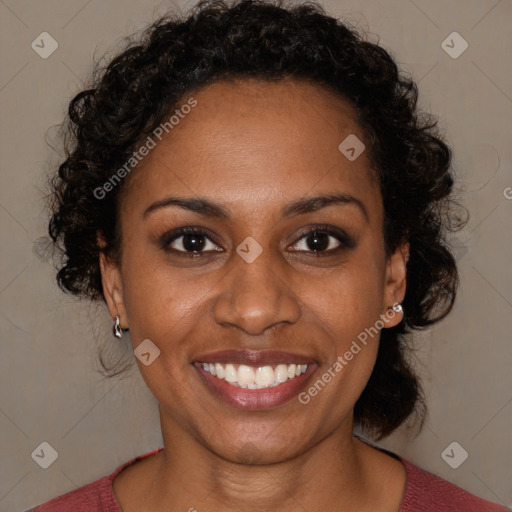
[[268, 40]]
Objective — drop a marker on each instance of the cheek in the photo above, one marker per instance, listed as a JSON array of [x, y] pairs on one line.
[[348, 320], [158, 297], [348, 307], [162, 306], [350, 300]]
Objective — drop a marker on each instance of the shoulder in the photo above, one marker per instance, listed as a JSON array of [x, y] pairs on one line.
[[90, 498], [97, 496], [425, 491]]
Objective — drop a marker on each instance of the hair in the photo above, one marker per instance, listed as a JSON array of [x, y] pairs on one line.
[[267, 40]]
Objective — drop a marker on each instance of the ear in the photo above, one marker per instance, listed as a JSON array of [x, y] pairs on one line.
[[395, 284], [112, 287]]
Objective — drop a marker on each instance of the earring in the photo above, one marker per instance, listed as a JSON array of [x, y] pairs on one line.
[[397, 308], [118, 332]]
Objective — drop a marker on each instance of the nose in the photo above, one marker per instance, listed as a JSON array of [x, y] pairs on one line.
[[256, 296]]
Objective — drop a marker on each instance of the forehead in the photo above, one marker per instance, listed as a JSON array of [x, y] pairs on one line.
[[256, 144]]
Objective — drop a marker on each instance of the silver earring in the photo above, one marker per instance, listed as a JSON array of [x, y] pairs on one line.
[[117, 328], [397, 308]]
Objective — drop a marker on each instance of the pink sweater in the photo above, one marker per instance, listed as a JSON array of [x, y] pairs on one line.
[[424, 492]]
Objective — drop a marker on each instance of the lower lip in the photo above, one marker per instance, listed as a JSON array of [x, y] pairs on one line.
[[244, 398]]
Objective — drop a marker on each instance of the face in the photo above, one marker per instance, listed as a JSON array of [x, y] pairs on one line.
[[270, 279]]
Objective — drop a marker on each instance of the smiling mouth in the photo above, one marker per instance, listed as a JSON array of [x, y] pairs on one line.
[[254, 379], [251, 377]]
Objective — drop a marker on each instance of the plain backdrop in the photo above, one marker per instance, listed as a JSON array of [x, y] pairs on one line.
[[50, 388]]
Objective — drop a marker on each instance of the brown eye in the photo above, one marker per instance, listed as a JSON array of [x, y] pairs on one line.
[[188, 241], [319, 241], [326, 240]]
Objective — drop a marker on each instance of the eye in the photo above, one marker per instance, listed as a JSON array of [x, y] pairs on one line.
[[188, 240], [323, 241], [193, 241]]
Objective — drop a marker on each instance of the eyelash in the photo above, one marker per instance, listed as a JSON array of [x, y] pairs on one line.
[[345, 241]]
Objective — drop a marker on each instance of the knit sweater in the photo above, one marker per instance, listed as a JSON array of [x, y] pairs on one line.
[[424, 492]]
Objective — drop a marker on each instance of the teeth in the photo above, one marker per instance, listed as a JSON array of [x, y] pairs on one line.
[[231, 374], [254, 377], [281, 373], [265, 376], [219, 370], [245, 375]]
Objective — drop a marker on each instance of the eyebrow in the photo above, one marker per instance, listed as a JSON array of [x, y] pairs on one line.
[[301, 206]]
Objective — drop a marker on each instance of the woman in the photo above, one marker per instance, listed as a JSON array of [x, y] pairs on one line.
[[255, 197]]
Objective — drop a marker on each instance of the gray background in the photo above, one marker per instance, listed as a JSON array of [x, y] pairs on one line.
[[50, 390]]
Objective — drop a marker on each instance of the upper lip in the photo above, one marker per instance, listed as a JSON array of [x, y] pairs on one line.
[[254, 357]]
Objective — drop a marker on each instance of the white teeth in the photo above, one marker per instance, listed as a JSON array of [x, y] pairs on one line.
[[281, 373], [265, 376], [245, 375], [231, 374], [250, 377], [219, 370]]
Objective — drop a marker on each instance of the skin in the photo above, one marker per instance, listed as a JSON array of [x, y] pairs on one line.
[[254, 147]]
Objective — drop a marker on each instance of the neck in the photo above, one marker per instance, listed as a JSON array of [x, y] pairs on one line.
[[332, 475]]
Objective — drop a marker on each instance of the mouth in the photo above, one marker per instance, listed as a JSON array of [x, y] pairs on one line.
[[249, 377], [254, 379]]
